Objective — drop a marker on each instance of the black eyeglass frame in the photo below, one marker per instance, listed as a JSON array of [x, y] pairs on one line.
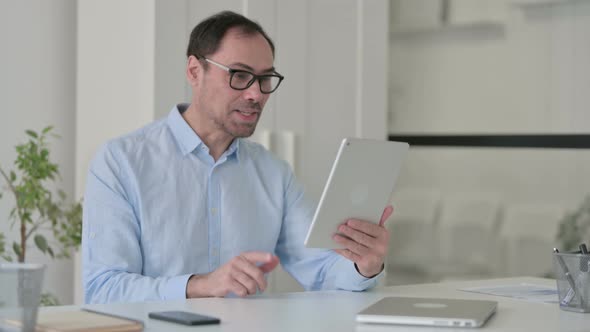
[[255, 77]]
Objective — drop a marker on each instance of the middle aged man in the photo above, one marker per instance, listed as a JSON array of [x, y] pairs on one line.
[[186, 207]]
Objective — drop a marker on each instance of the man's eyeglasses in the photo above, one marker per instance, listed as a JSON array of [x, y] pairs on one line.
[[243, 79]]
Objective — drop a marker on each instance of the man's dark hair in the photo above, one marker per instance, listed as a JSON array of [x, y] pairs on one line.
[[207, 35]]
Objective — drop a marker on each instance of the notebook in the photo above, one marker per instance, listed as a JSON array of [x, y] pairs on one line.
[[85, 320], [428, 311]]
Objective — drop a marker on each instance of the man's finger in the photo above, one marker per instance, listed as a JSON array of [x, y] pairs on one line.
[[357, 236], [257, 256], [269, 261], [252, 271], [246, 281], [267, 267], [348, 255], [365, 227], [386, 214], [349, 244], [237, 288]]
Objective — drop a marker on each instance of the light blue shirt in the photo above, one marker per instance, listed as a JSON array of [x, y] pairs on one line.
[[159, 209]]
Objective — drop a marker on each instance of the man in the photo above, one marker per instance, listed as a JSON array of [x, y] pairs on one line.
[[185, 207]]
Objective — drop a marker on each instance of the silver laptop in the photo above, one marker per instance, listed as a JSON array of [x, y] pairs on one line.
[[428, 311]]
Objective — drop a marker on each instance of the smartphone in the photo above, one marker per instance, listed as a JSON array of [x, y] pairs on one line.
[[184, 317]]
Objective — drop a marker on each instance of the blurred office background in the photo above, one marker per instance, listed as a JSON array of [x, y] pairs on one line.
[[99, 69]]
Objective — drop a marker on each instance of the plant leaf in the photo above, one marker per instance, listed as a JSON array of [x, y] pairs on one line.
[[16, 248], [50, 252], [12, 176], [31, 133], [2, 243], [47, 129], [48, 299], [41, 242]]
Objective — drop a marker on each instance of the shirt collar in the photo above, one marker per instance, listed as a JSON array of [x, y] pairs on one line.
[[186, 137], [234, 147]]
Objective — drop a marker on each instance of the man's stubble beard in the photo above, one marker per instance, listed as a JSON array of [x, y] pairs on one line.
[[226, 124], [248, 128], [229, 126]]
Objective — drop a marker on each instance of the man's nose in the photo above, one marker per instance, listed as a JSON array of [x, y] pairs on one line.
[[253, 92]]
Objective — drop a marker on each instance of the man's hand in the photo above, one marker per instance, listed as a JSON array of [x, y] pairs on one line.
[[240, 276], [367, 243]]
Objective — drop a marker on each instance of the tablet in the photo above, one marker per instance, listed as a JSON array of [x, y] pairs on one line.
[[359, 186]]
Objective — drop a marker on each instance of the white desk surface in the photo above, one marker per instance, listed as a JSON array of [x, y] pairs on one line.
[[336, 310]]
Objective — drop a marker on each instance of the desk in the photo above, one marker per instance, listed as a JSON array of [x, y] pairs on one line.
[[335, 310]]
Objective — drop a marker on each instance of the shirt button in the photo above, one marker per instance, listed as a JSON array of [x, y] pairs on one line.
[[92, 235], [215, 252], [213, 211]]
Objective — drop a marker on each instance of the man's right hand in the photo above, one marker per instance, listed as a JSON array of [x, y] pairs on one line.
[[241, 276]]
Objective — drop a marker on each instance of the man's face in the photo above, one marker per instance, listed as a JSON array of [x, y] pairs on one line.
[[235, 112]]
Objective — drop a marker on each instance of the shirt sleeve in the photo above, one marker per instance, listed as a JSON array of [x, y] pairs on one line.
[[111, 250], [314, 269]]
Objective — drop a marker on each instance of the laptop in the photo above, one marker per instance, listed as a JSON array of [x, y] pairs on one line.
[[359, 186], [428, 311]]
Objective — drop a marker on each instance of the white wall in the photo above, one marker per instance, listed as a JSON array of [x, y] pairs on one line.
[[37, 89], [115, 79], [171, 41], [497, 67], [115, 74], [528, 73]]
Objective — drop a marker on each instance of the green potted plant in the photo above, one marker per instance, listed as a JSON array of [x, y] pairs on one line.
[[574, 227], [38, 205]]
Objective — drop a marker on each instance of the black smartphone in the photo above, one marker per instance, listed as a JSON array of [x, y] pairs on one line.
[[184, 317]]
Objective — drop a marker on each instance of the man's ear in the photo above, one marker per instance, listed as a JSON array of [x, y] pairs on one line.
[[194, 68]]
